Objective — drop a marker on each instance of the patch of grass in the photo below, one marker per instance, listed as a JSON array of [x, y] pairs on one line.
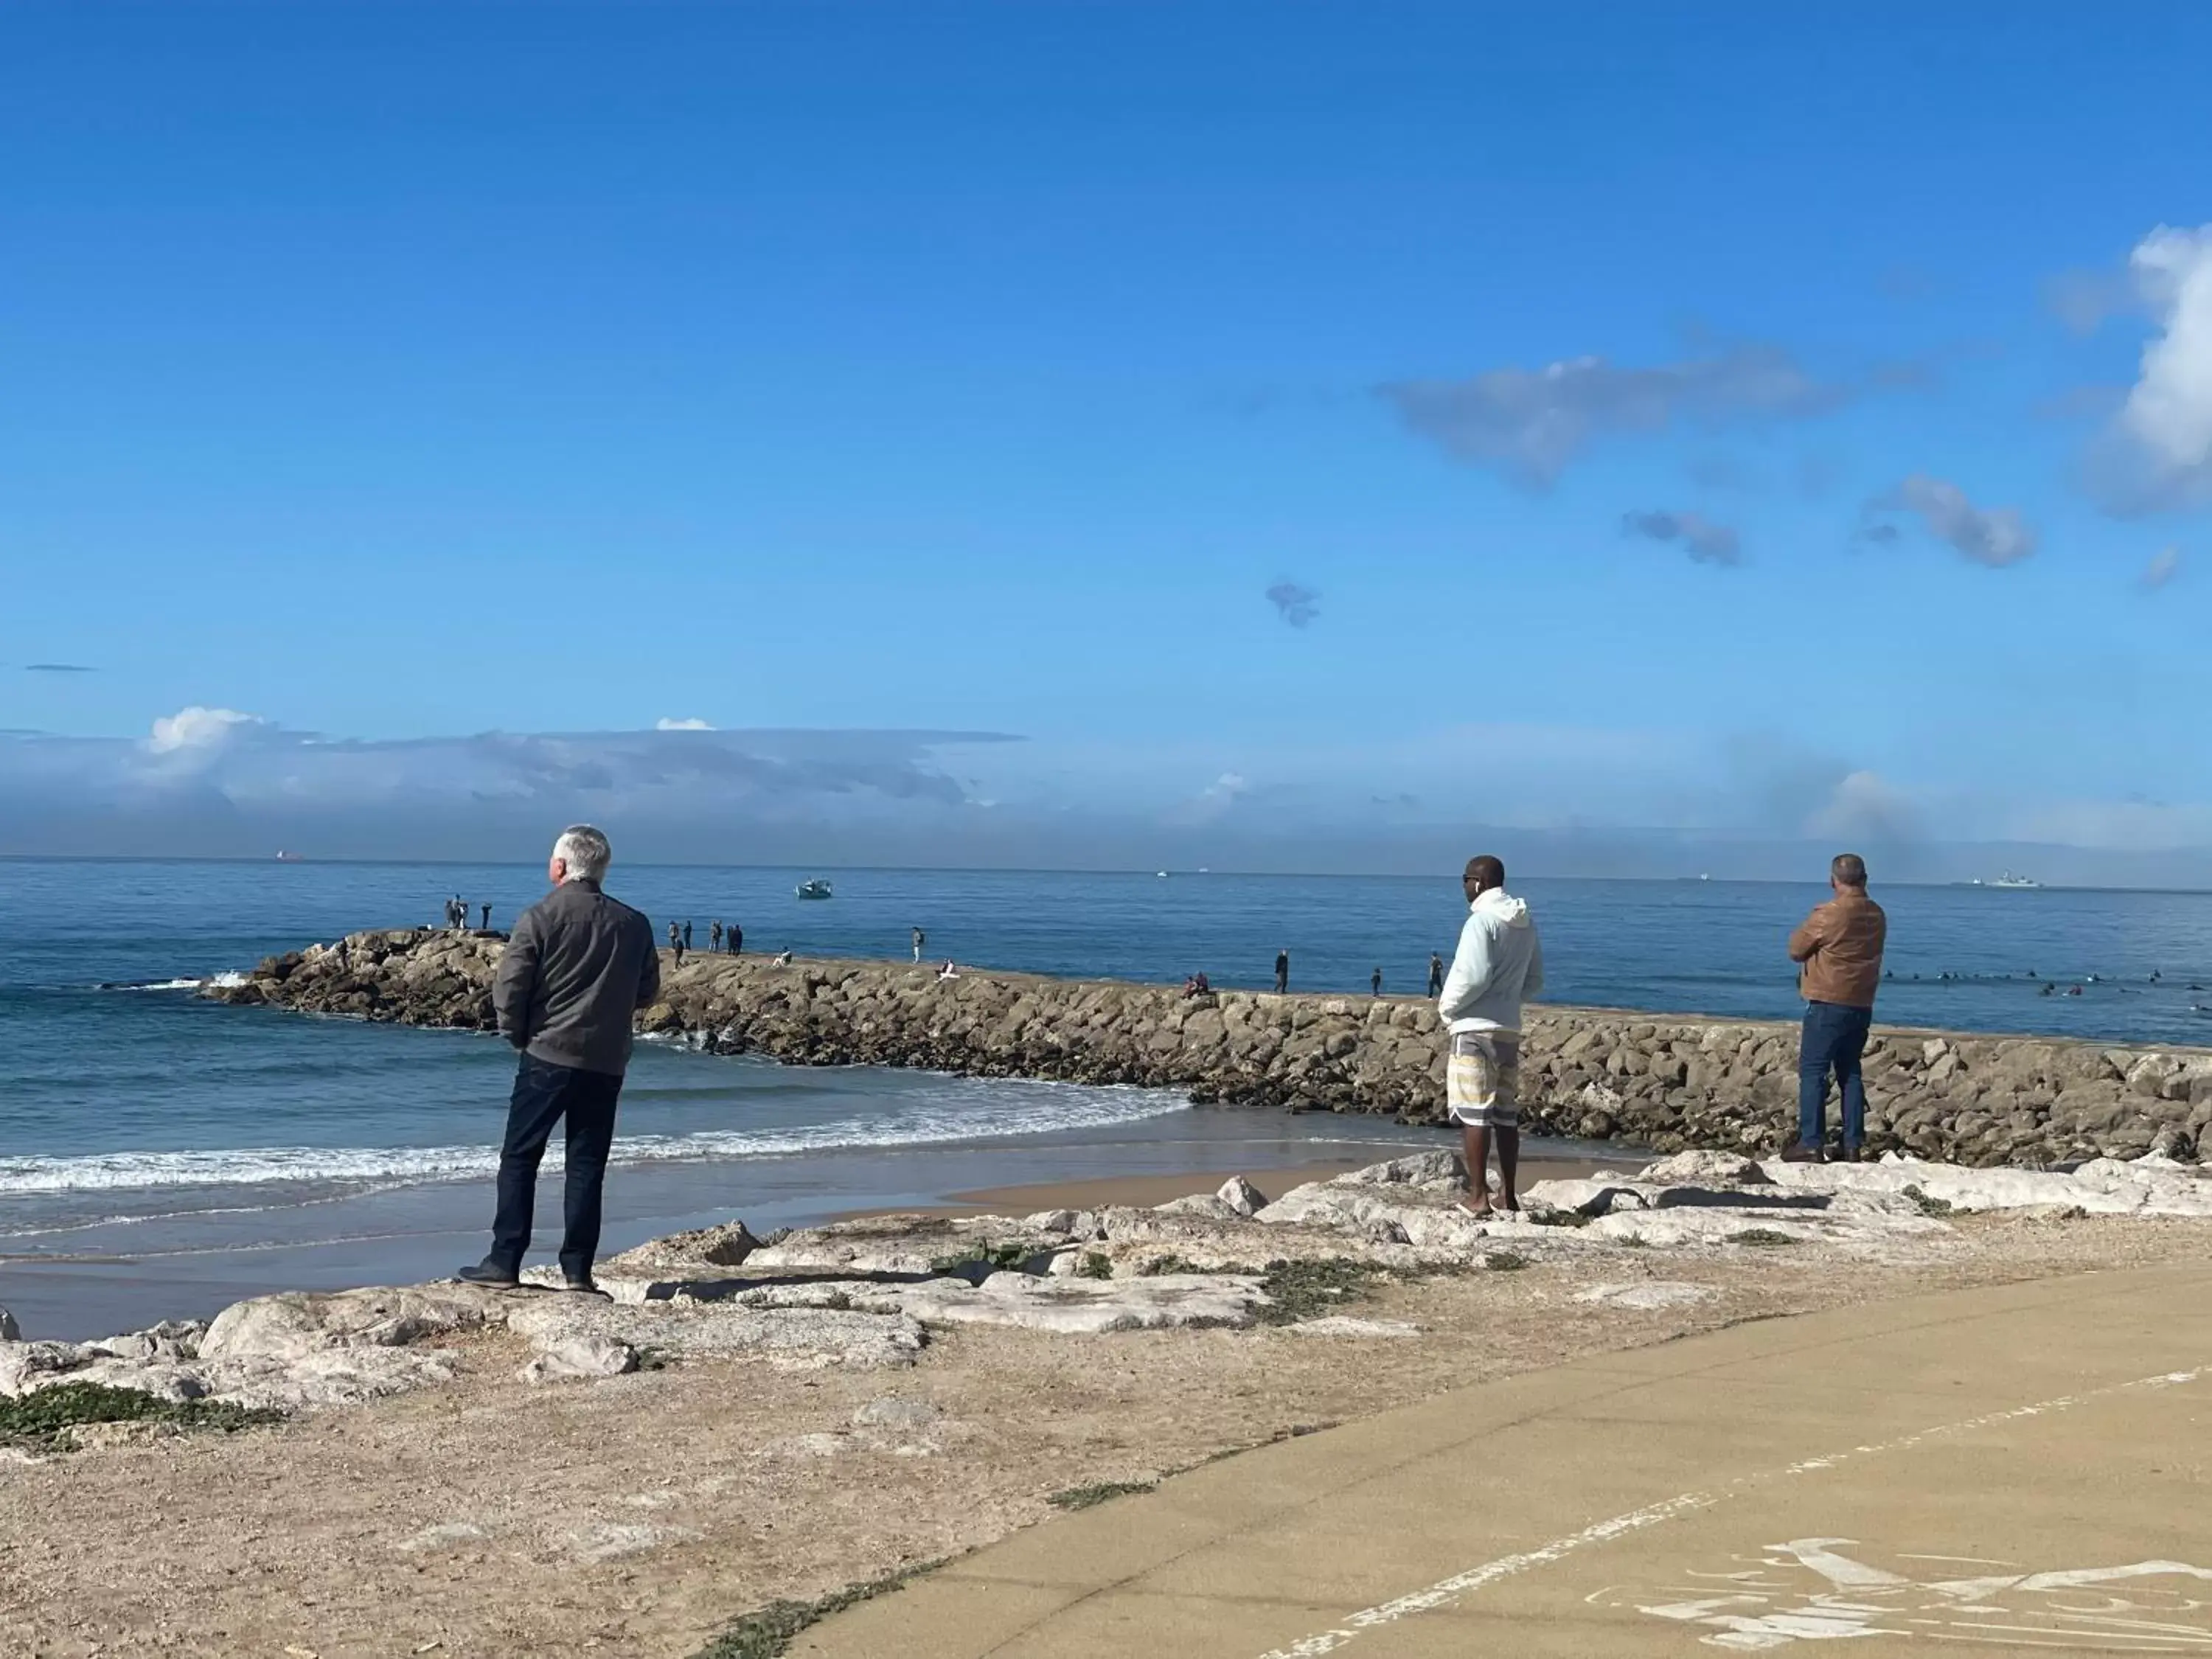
[[1305, 1290], [767, 1632], [1168, 1264], [995, 1258], [42, 1421], [1560, 1217], [1099, 1492], [1760, 1236], [1925, 1205], [1504, 1262], [1095, 1264], [1633, 1242]]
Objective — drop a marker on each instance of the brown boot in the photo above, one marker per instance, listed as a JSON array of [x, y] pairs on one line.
[[1798, 1152]]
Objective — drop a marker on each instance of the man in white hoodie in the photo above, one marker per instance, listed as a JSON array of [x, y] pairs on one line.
[[1499, 962]]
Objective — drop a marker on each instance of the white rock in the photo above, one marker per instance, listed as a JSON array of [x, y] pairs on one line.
[[1420, 1169], [1079, 1306], [1703, 1169], [1653, 1293], [896, 1411], [1346, 1325], [297, 1322], [1241, 1196], [580, 1357], [1205, 1206], [608, 1540], [1584, 1197], [790, 1337]]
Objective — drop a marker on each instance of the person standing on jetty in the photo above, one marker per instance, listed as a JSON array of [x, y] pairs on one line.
[[714, 936], [577, 969], [1375, 981], [1435, 975], [1282, 972], [1498, 964], [1838, 948], [737, 941], [676, 942], [920, 938], [486, 923]]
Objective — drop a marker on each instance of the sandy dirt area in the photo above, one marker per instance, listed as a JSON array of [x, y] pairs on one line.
[[638, 1515]]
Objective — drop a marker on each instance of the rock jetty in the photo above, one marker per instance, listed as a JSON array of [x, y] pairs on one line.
[[1668, 1082]]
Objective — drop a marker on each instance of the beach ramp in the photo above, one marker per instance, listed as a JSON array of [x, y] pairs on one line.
[[2019, 1469]]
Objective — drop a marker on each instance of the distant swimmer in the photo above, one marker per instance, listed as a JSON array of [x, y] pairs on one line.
[[2073, 990], [715, 935], [2048, 990], [1282, 972]]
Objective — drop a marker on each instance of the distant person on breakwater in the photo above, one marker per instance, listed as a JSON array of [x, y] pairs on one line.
[[676, 942], [576, 970], [1282, 972], [737, 941], [1374, 980], [1498, 964], [486, 923], [714, 936], [920, 938], [687, 934], [1435, 975], [1839, 947]]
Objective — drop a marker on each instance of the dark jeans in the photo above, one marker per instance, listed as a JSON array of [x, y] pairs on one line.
[[1834, 1038], [544, 1094]]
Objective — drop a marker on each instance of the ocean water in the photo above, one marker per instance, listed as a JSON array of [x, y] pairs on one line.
[[127, 1102]]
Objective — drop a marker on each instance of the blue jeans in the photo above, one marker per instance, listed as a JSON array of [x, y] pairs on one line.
[[544, 1094], [1834, 1038]]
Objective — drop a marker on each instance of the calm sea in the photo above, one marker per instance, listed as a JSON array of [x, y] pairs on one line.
[[122, 1103]]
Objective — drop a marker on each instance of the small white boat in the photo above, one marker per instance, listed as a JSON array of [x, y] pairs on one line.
[[816, 889]]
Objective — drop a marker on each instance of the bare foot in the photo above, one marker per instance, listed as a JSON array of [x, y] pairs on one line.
[[1479, 1211]]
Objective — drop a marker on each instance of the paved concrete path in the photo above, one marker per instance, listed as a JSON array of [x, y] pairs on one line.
[[2023, 1470]]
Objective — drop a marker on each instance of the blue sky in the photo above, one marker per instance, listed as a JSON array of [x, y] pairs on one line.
[[1702, 420]]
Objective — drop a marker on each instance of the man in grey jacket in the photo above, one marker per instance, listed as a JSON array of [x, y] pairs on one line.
[[1499, 962], [577, 969]]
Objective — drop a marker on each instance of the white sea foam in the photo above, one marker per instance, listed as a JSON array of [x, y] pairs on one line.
[[1036, 1112], [166, 985]]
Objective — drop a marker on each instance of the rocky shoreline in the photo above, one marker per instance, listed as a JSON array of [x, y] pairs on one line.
[[1668, 1082]]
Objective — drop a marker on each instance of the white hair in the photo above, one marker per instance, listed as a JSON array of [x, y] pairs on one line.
[[584, 851]]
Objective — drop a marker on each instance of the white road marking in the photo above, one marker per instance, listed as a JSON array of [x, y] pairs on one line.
[[1448, 1590]]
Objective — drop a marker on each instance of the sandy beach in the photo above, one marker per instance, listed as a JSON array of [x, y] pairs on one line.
[[640, 1515]]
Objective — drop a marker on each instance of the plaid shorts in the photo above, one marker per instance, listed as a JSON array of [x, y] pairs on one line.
[[1482, 1081]]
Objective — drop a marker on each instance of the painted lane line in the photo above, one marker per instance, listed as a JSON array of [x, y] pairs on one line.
[[1459, 1584]]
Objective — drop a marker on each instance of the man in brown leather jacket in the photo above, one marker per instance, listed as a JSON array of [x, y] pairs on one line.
[[1839, 947]]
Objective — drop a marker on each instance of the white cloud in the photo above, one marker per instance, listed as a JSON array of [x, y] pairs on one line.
[[198, 728], [2165, 565], [1993, 535], [2168, 413], [693, 724], [1531, 423], [1865, 805]]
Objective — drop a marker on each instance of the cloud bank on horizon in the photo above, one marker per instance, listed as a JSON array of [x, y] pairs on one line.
[[220, 782]]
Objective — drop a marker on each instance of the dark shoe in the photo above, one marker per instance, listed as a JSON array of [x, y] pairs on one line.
[[490, 1274], [1799, 1152], [1852, 1155], [584, 1286]]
